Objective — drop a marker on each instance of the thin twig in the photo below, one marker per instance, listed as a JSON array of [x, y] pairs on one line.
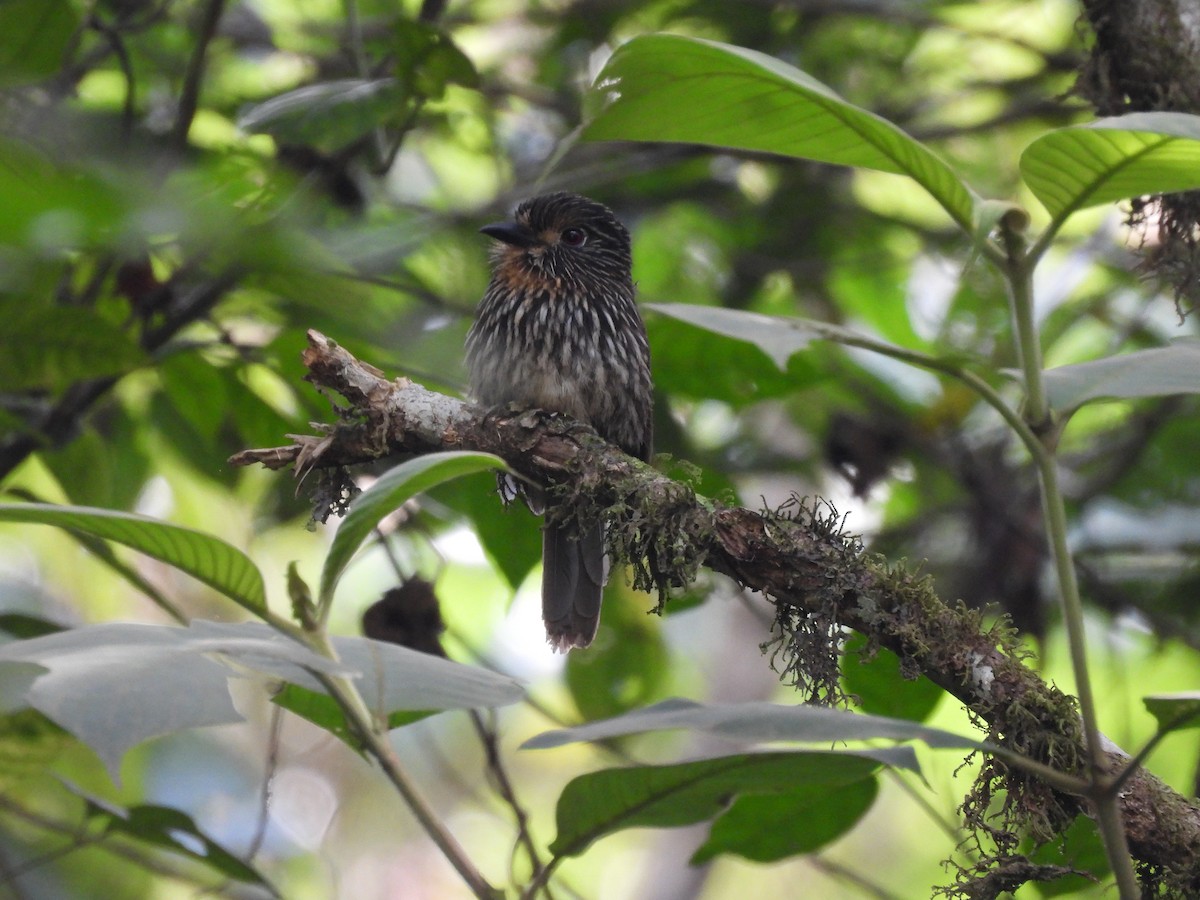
[[114, 40], [504, 787], [269, 767], [852, 875], [189, 96]]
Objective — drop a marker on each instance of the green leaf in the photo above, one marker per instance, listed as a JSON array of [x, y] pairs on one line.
[[732, 372], [329, 115], [738, 98], [48, 207], [36, 35], [1157, 372], [882, 689], [1070, 169], [53, 346], [176, 831], [23, 626], [1175, 711], [779, 338], [29, 744], [754, 722], [771, 827], [167, 828], [1079, 847], [209, 559], [199, 392], [115, 685], [107, 462], [390, 492], [600, 803], [428, 60], [324, 712]]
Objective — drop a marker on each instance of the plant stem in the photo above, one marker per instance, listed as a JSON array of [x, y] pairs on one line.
[[986, 392], [1019, 275]]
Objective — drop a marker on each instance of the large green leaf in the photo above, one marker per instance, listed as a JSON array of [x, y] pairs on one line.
[[53, 346], [770, 827], [49, 206], [755, 722], [1070, 169], [600, 803], [389, 493], [211, 560], [115, 685], [1157, 372], [665, 87]]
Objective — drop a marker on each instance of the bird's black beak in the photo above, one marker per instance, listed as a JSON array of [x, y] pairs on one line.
[[510, 233]]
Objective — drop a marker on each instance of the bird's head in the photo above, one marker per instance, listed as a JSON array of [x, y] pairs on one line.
[[561, 237]]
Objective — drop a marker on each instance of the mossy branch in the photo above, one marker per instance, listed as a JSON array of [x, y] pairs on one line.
[[803, 563]]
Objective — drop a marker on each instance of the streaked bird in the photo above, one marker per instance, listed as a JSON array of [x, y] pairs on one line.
[[558, 329]]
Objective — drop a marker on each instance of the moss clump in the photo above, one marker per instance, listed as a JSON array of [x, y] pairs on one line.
[[807, 647]]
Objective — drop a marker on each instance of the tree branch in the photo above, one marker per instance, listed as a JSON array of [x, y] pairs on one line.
[[802, 564]]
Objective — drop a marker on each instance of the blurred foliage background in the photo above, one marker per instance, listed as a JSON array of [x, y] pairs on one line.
[[186, 187]]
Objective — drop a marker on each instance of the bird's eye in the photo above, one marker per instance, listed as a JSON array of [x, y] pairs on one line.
[[574, 237]]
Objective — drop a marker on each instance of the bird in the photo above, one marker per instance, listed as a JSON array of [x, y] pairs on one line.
[[559, 330]]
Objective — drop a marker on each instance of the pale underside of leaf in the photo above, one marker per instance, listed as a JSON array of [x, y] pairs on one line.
[[1156, 372], [754, 722], [116, 685]]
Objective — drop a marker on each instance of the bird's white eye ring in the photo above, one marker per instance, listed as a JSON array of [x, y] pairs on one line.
[[574, 237]]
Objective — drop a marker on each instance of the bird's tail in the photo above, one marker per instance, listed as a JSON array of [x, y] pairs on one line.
[[572, 583]]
